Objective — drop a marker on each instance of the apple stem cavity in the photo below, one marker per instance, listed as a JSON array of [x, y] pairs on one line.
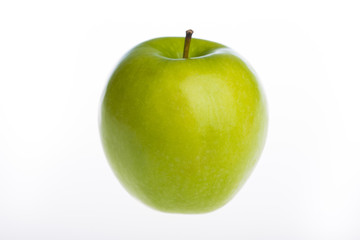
[[189, 33]]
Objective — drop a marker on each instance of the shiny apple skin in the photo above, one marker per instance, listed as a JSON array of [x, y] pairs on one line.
[[183, 135]]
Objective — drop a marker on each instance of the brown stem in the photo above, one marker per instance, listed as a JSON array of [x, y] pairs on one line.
[[187, 43]]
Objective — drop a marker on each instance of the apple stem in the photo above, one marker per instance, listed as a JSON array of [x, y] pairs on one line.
[[187, 43]]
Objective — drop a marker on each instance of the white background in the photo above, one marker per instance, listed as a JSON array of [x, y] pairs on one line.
[[56, 57]]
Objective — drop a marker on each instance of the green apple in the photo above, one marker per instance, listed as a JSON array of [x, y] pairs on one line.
[[183, 130]]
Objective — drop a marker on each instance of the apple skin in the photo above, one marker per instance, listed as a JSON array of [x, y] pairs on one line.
[[183, 135]]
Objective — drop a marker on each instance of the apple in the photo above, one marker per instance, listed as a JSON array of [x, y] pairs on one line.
[[183, 125]]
